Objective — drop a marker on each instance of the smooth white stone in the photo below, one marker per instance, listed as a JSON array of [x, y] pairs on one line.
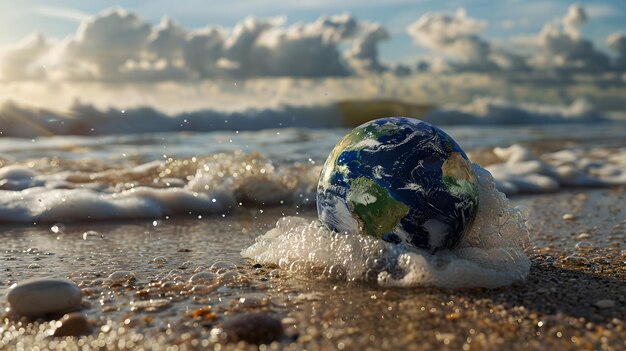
[[36, 297]]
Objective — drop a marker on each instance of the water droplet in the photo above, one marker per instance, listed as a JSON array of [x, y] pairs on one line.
[[584, 246], [275, 273], [575, 260], [230, 277], [201, 289], [298, 267], [203, 278], [57, 228], [185, 265], [200, 269], [223, 266], [283, 263], [120, 278], [92, 234], [159, 260], [174, 275], [335, 272]]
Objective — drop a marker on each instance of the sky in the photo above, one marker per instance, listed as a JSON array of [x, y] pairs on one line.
[[507, 18], [178, 56]]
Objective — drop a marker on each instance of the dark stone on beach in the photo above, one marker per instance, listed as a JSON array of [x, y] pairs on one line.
[[257, 265], [253, 328], [38, 297], [73, 324]]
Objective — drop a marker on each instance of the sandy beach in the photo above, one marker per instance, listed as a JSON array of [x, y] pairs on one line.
[[572, 299]]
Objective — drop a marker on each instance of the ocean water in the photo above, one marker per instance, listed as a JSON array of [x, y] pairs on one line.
[[149, 176], [59, 180]]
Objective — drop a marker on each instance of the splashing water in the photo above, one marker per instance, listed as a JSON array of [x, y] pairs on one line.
[[490, 255]]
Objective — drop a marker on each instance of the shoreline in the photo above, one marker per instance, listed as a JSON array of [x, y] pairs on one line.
[[556, 307]]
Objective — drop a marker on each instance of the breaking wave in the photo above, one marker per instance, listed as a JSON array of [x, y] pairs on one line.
[[84, 119], [104, 178]]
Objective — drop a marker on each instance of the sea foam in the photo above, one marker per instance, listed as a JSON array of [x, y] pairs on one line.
[[100, 187], [518, 170], [218, 184], [490, 255]]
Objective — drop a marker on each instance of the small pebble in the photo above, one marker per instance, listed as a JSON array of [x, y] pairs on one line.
[[37, 297], [569, 217], [602, 304], [583, 236], [254, 328], [72, 324]]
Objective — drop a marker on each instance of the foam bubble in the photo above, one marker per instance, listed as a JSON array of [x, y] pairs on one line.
[[490, 255]]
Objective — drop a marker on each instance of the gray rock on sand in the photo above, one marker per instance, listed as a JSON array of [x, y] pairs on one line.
[[41, 296], [253, 328]]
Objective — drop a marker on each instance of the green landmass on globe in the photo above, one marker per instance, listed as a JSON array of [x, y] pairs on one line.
[[378, 211], [401, 180]]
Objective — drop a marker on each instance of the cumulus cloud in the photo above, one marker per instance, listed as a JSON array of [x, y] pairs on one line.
[[104, 43], [559, 47], [452, 34], [617, 42], [261, 48], [460, 37], [166, 40], [575, 18], [20, 61], [364, 54], [118, 45]]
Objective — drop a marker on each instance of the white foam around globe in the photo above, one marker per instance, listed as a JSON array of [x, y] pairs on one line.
[[490, 255]]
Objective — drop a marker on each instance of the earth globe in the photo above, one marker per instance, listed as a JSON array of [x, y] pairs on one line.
[[401, 180]]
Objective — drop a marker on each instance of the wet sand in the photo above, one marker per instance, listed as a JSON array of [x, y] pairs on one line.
[[574, 297]]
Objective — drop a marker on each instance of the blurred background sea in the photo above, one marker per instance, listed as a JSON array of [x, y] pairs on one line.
[[153, 175]]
